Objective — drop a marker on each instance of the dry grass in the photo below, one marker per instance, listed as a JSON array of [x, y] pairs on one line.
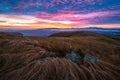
[[20, 58], [94, 45], [59, 69]]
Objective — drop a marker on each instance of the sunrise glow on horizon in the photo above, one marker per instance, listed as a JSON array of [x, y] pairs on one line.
[[33, 14]]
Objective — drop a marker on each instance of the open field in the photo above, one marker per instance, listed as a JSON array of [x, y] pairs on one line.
[[21, 57]]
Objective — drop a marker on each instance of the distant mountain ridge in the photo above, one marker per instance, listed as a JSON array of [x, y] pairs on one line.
[[50, 31], [76, 34]]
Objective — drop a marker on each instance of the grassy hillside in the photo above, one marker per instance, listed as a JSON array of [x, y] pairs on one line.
[[103, 46], [27, 58], [77, 33], [83, 33]]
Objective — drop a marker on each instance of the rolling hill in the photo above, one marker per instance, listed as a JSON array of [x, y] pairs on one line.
[[77, 34], [50, 31]]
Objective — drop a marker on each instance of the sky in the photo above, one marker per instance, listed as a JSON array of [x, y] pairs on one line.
[[32, 14]]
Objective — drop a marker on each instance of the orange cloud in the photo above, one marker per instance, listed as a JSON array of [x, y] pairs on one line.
[[52, 21], [31, 22]]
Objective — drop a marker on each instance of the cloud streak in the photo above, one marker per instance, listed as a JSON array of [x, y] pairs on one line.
[[63, 20], [78, 18]]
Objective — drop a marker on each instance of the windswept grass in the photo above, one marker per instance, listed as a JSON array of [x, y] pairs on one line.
[[21, 58], [59, 69]]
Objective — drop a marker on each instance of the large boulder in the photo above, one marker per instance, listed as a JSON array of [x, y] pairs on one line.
[[73, 57]]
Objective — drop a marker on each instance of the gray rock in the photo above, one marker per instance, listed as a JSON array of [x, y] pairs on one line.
[[52, 54], [42, 59], [45, 59], [90, 58], [73, 57]]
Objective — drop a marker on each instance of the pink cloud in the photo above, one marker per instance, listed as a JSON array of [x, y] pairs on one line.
[[59, 18], [80, 19]]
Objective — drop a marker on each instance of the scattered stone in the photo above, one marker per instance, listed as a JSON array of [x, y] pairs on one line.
[[45, 59], [73, 57], [90, 58], [31, 45], [52, 54], [42, 59]]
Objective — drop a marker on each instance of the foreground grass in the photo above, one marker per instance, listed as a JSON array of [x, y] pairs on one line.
[[20, 58]]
